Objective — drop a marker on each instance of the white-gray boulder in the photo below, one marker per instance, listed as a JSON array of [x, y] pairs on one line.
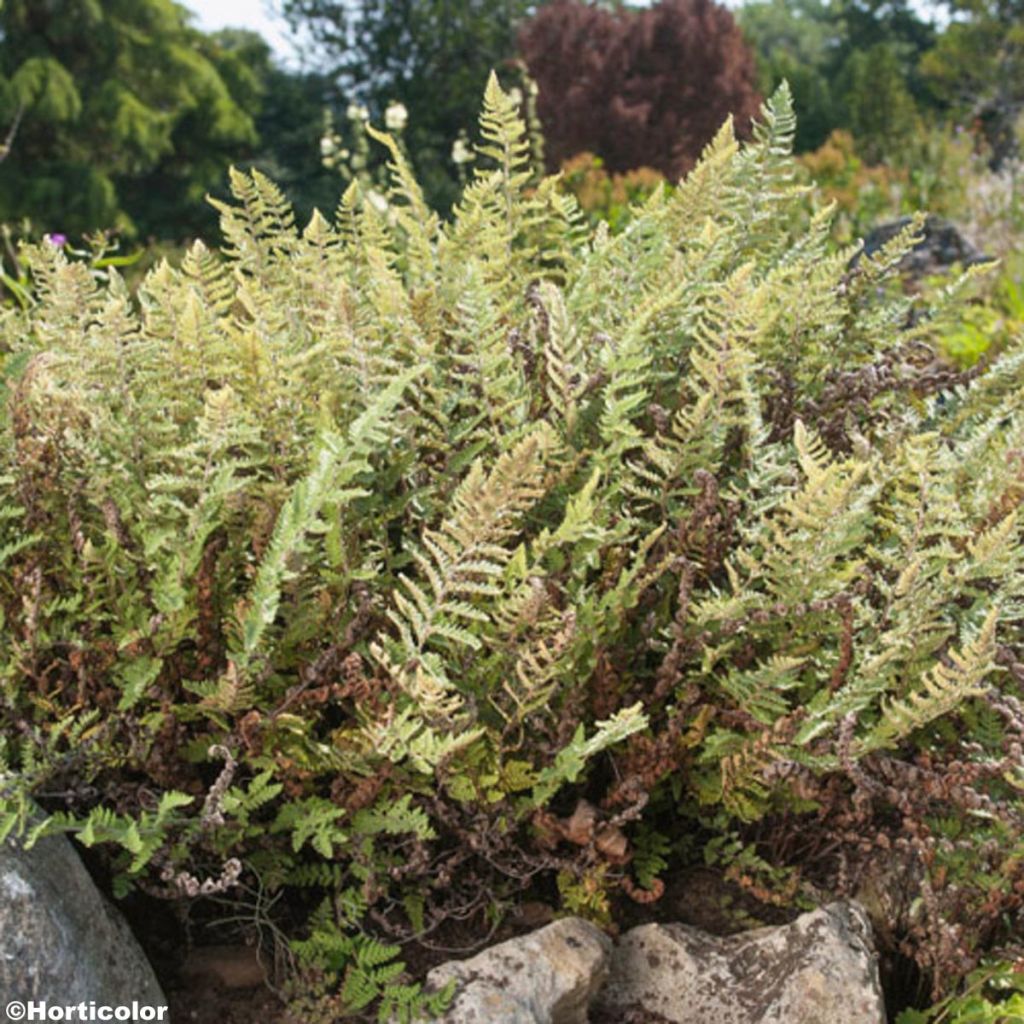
[[547, 977], [60, 941], [820, 969]]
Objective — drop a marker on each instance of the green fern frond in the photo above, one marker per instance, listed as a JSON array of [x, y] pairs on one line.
[[943, 689], [573, 758]]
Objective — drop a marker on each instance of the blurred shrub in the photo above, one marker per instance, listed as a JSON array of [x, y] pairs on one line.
[[940, 164], [944, 170], [640, 88], [993, 207], [607, 197], [876, 105], [996, 314], [852, 65], [863, 195]]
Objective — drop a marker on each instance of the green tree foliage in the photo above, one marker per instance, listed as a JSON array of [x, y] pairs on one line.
[[124, 114], [349, 559], [433, 56], [289, 117], [877, 66], [852, 64], [863, 24], [793, 43], [978, 68], [877, 105]]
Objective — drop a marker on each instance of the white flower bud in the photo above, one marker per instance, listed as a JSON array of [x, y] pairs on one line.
[[461, 153], [396, 117]]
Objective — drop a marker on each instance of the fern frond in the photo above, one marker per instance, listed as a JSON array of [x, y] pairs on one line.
[[943, 689], [463, 559], [573, 758]]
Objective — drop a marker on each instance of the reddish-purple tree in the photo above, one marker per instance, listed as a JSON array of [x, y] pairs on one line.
[[639, 88]]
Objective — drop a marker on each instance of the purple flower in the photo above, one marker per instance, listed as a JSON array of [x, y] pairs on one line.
[[56, 239]]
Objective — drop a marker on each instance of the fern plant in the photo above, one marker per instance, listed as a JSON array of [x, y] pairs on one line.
[[993, 994], [373, 547]]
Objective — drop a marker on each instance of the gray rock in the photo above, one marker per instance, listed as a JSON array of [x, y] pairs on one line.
[[547, 977], [942, 244], [818, 970], [60, 941]]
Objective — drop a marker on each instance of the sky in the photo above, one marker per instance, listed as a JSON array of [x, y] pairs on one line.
[[254, 14]]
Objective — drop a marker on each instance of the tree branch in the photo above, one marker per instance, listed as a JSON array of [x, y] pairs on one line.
[[5, 149]]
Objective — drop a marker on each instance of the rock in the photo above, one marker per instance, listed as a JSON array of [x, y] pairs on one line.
[[60, 941], [819, 969], [888, 891], [547, 977], [941, 246]]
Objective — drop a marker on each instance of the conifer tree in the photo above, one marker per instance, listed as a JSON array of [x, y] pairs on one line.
[[103, 92]]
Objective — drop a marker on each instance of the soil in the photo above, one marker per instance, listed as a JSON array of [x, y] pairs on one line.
[[210, 1005]]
